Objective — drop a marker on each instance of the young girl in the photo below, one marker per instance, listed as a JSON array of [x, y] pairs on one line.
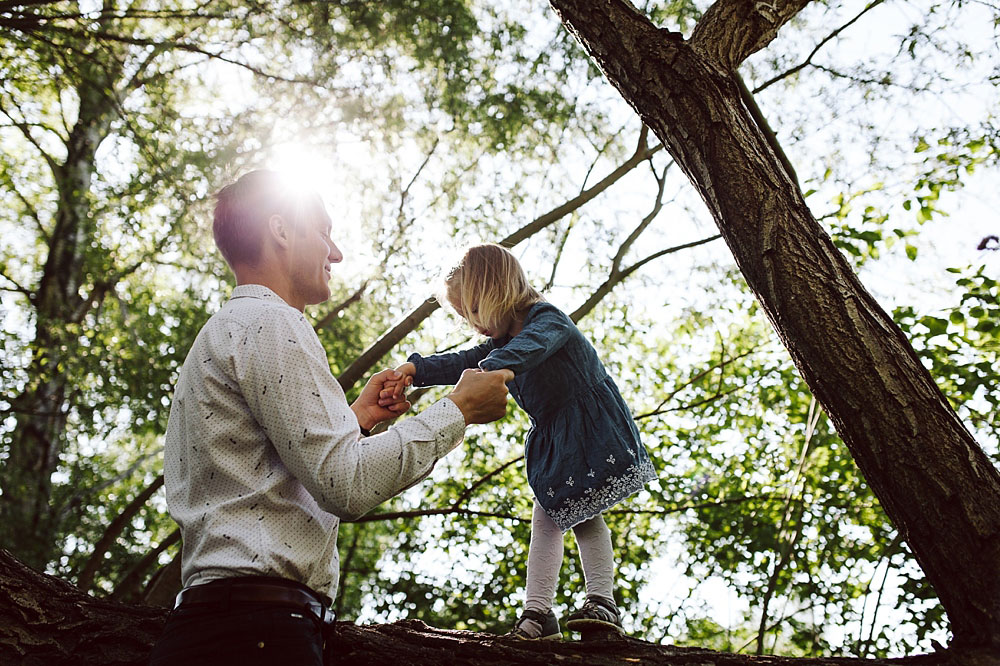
[[583, 453]]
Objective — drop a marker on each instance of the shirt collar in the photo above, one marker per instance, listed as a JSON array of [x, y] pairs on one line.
[[255, 291]]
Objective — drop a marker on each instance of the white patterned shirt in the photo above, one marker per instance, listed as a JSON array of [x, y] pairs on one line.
[[264, 456]]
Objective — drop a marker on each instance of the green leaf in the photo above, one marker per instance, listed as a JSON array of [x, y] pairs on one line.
[[935, 325]]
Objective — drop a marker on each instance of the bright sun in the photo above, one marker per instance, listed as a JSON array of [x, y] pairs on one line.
[[305, 167], [331, 173]]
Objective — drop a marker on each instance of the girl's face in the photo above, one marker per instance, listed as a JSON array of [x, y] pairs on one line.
[[506, 323]]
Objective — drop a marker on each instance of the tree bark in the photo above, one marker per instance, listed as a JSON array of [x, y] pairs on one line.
[[934, 481], [45, 621]]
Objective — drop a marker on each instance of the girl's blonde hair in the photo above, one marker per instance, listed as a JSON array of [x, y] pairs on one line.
[[489, 284]]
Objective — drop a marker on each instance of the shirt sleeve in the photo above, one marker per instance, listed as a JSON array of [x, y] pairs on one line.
[[447, 368], [292, 394], [542, 336]]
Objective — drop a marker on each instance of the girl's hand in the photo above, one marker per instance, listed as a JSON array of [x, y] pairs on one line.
[[393, 389], [370, 409]]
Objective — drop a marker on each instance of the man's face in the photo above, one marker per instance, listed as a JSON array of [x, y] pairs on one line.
[[313, 254]]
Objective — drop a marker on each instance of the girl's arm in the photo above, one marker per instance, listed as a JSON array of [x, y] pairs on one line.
[[547, 331], [447, 368]]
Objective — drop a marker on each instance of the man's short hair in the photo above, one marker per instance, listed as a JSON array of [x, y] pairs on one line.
[[242, 210]]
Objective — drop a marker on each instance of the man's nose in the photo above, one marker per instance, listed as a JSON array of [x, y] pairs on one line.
[[335, 256]]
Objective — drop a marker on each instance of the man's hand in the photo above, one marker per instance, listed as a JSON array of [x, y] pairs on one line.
[[482, 395], [370, 410], [392, 389]]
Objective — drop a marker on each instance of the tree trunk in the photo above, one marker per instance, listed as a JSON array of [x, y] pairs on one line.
[[41, 408], [934, 481], [45, 621]]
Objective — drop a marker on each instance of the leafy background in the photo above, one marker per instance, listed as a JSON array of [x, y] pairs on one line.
[[432, 124]]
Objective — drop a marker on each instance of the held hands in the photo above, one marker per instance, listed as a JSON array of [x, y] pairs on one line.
[[393, 389], [371, 408], [482, 395]]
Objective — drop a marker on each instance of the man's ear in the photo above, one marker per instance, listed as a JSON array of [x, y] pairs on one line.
[[277, 227]]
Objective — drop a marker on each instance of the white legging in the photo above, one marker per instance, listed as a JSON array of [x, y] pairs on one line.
[[545, 556]]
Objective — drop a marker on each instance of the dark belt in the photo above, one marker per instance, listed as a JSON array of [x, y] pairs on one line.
[[256, 590]]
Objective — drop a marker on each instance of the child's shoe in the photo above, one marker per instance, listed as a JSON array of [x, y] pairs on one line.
[[527, 626], [596, 613]]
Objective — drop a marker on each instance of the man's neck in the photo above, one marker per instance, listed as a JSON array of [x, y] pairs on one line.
[[276, 282]]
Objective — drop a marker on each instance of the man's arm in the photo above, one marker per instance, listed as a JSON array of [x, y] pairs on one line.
[[293, 395]]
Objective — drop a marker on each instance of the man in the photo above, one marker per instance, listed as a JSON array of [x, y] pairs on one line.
[[263, 454]]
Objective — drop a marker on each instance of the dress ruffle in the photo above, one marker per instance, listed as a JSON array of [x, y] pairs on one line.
[[587, 457]]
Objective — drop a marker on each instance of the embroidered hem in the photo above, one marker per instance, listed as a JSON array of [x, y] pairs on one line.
[[596, 501]]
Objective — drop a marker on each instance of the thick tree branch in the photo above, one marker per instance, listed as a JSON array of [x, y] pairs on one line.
[[935, 483], [78, 629], [384, 344], [732, 30]]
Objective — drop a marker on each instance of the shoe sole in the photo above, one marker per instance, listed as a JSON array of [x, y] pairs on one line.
[[588, 624]]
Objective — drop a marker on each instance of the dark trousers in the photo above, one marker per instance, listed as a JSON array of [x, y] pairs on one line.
[[242, 635]]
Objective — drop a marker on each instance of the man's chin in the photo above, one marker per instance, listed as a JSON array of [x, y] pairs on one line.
[[319, 297]]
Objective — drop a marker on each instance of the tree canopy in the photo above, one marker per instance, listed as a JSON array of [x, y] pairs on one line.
[[428, 125]]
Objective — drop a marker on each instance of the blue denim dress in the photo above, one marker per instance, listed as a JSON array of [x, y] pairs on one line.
[[583, 454]]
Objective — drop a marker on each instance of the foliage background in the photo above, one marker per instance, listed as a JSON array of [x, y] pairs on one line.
[[431, 124]]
